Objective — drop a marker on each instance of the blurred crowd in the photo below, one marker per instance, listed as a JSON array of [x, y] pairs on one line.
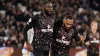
[[15, 13]]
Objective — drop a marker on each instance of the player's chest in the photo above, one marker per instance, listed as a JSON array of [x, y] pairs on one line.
[[65, 35], [95, 36], [47, 22]]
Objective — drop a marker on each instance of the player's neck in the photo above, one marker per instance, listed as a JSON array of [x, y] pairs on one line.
[[93, 31]]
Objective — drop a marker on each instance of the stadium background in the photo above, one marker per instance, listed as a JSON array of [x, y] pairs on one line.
[[15, 13]]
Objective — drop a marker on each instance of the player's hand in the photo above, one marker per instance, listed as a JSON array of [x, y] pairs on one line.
[[82, 38], [87, 43], [29, 47]]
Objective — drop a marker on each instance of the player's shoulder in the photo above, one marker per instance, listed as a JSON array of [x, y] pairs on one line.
[[35, 16], [33, 19], [58, 23]]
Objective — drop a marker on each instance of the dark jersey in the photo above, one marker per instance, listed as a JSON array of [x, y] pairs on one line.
[[62, 39], [43, 30], [90, 36], [94, 42], [93, 39]]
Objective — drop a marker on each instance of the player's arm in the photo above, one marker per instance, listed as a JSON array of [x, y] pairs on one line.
[[31, 23], [25, 36], [26, 28], [57, 25], [87, 42], [76, 37]]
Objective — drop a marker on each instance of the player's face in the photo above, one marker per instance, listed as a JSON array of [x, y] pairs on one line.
[[68, 23], [94, 26], [49, 8]]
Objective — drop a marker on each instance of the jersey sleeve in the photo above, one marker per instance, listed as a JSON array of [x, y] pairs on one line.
[[76, 35], [32, 22]]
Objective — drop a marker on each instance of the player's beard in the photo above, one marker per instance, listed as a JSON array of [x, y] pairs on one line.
[[48, 13], [67, 28]]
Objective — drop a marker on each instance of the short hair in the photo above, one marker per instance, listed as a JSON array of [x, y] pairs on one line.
[[68, 17], [94, 22], [46, 2]]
